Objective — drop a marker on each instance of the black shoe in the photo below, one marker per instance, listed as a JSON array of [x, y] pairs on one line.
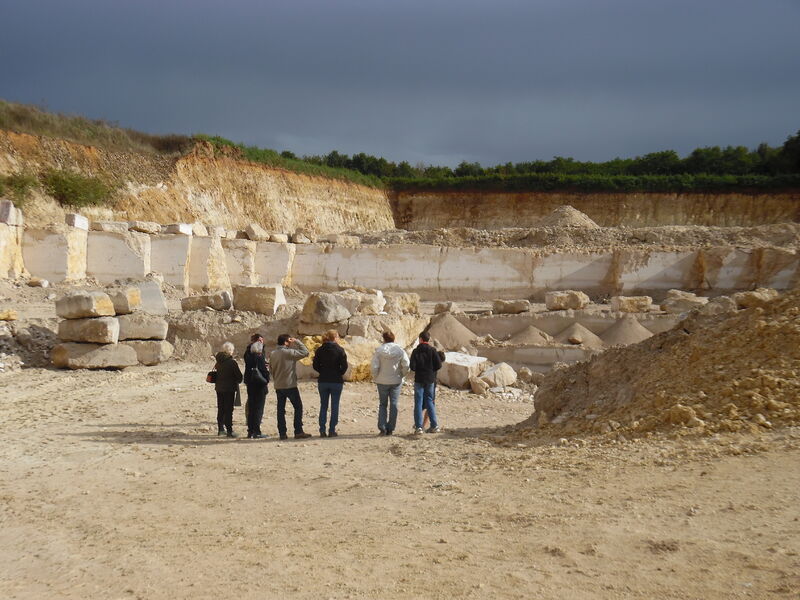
[[323, 434], [284, 436], [382, 432], [232, 435], [301, 436], [221, 432], [389, 432], [260, 436], [249, 436], [333, 434]]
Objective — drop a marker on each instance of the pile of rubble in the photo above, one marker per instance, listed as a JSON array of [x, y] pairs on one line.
[[731, 365], [103, 330]]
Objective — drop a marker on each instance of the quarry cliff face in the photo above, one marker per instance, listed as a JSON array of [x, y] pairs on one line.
[[495, 210], [198, 187]]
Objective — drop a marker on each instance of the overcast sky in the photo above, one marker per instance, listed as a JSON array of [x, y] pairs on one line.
[[433, 81]]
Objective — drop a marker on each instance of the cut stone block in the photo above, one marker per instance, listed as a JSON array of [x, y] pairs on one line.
[[145, 227], [566, 300], [142, 326], [218, 301], [256, 233], [207, 268], [323, 307], [153, 300], [99, 330], [754, 298], [678, 301], [458, 368], [126, 300], [10, 214], [178, 228], [58, 254], [240, 260], [151, 352], [77, 221], [112, 256], [273, 262], [631, 304], [500, 375], [169, 255], [73, 355], [262, 299], [110, 226], [83, 304], [510, 307], [280, 238], [199, 230]]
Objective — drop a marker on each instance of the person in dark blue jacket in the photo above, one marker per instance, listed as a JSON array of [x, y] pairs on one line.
[[330, 361], [425, 362]]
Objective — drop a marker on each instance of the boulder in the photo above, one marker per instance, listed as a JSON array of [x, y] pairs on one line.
[[110, 226], [73, 355], [446, 307], [721, 305], [8, 314], [510, 307], [98, 330], [478, 386], [78, 305], [217, 301], [77, 221], [300, 238], [754, 298], [323, 307], [566, 300], [280, 238], [126, 300], [153, 300], [142, 326], [181, 228], [262, 299], [500, 375], [631, 304], [678, 301], [458, 368], [256, 233], [370, 302], [402, 303], [151, 352], [525, 375], [145, 227], [38, 282]]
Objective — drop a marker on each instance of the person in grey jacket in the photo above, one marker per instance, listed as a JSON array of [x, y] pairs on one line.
[[389, 365], [283, 366]]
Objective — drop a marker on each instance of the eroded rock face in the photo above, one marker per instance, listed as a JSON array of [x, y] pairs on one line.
[[99, 330], [71, 355], [219, 301], [79, 305], [142, 326], [631, 304], [566, 300], [262, 299], [510, 307], [151, 352]]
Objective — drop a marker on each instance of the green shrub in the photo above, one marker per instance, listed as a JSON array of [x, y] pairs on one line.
[[18, 186], [73, 189]]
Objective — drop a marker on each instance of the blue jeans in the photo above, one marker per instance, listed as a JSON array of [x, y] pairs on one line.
[[388, 396], [332, 391], [423, 398]]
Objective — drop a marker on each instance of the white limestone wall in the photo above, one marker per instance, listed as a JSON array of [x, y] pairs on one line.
[[240, 257], [169, 255], [58, 254], [572, 271], [112, 256], [273, 262], [207, 267], [11, 259]]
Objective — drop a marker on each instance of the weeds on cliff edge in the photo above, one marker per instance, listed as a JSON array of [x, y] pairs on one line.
[[73, 189], [18, 187]]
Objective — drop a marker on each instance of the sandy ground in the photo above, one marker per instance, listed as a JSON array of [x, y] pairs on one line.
[[115, 485]]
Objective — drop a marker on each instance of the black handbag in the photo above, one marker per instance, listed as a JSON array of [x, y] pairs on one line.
[[211, 376], [237, 399], [254, 376]]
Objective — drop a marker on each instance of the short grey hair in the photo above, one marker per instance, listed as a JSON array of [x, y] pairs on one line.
[[227, 348], [256, 347]]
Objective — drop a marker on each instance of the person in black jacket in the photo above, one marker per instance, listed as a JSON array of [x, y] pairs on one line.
[[330, 361], [227, 384], [256, 377], [425, 362]]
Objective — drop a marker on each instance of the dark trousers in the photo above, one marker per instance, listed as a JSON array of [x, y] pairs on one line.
[[332, 391], [256, 397], [293, 396], [225, 409]]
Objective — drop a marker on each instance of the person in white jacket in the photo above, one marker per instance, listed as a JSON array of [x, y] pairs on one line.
[[389, 365]]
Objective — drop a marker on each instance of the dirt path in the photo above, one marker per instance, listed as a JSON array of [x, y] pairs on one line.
[[113, 485]]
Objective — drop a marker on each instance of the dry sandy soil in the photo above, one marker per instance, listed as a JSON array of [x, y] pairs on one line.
[[114, 485]]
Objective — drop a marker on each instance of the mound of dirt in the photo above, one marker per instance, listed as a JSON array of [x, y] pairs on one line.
[[566, 216], [626, 330], [734, 373], [530, 336], [578, 334], [450, 332]]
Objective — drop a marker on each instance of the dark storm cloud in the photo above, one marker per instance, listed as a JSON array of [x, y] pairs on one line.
[[433, 81]]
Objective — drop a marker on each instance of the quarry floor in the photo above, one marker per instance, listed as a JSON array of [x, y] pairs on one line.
[[114, 485]]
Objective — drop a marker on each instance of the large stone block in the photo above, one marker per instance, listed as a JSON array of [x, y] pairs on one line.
[[151, 352], [11, 264], [499, 375], [77, 221], [240, 257], [273, 262], [125, 299], [169, 255], [322, 307], [256, 233], [566, 300], [678, 301], [57, 254], [218, 301], [279, 238], [510, 307], [99, 330], [142, 326], [262, 299], [177, 228], [74, 355], [207, 266], [458, 368], [113, 256], [153, 300], [754, 298], [145, 227], [110, 226], [631, 304], [83, 304]]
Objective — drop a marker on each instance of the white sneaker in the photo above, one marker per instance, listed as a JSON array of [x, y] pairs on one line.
[[435, 430], [418, 430]]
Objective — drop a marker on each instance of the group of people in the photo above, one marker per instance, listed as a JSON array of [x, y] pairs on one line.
[[389, 366]]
